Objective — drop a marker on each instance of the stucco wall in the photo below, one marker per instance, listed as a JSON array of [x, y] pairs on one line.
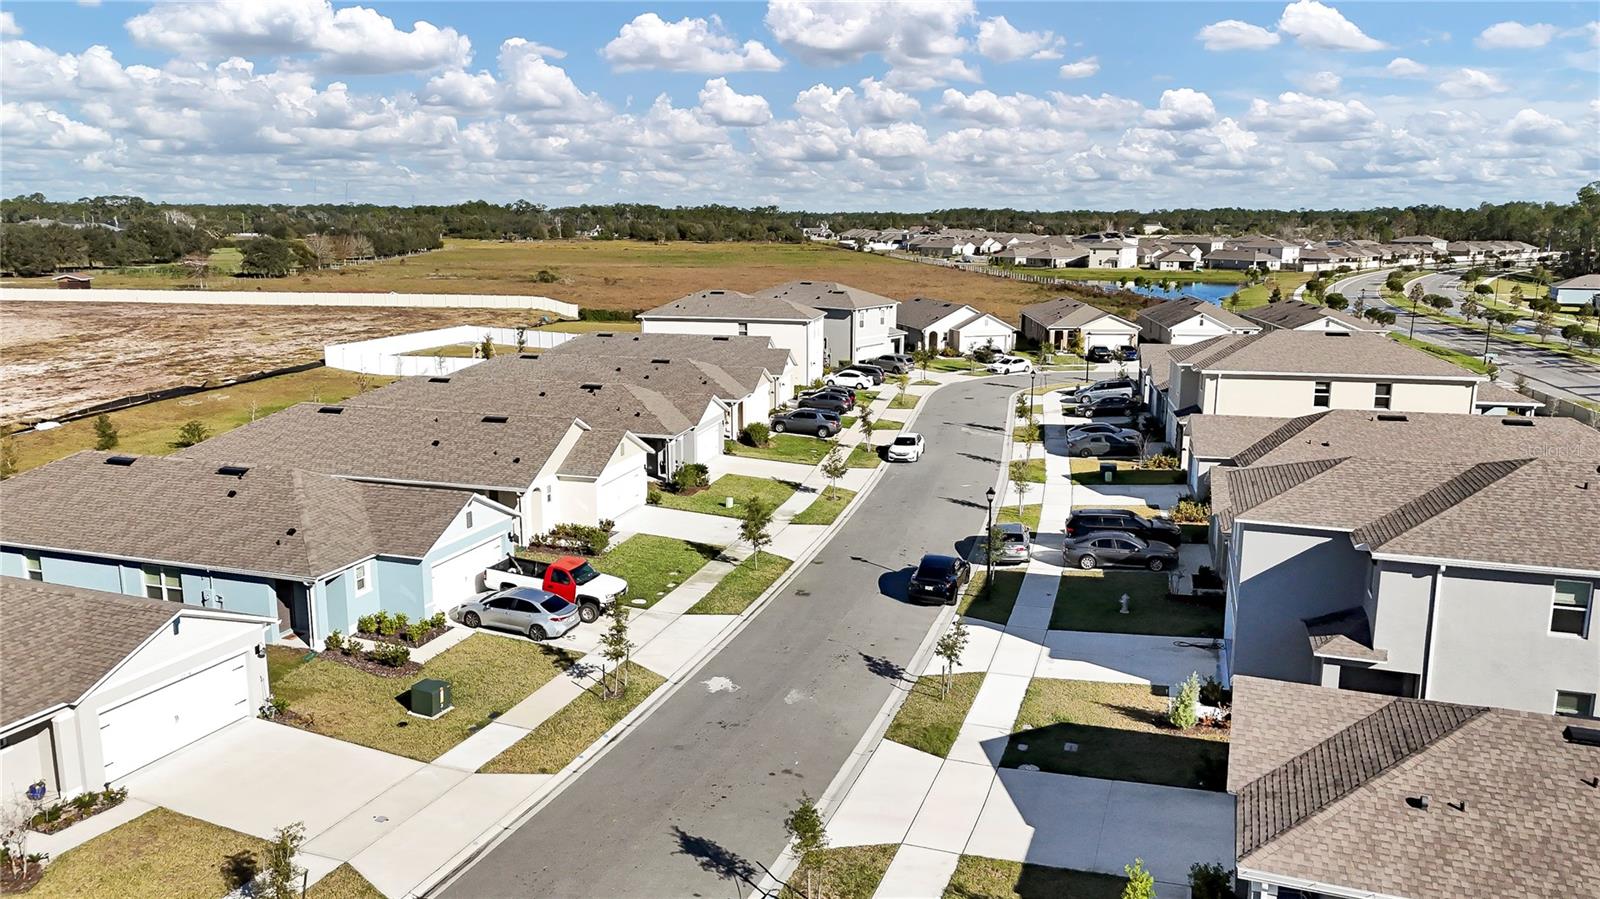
[[211, 589], [1397, 607], [1278, 578], [1285, 396]]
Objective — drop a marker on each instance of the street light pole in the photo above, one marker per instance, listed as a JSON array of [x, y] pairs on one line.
[[988, 547]]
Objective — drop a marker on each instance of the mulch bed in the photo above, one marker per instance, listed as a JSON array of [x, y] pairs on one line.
[[71, 814], [362, 663], [20, 883], [400, 640]]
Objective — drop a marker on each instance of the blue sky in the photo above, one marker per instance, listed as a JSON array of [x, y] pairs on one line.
[[822, 105]]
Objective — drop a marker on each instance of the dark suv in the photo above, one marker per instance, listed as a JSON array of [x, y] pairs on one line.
[[843, 394], [819, 422], [939, 578], [1155, 530], [1098, 354], [826, 401]]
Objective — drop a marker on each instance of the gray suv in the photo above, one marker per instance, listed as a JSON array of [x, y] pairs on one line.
[[819, 422]]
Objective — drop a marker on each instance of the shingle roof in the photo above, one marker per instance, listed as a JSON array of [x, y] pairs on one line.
[[1173, 312], [1238, 490], [1317, 352], [827, 294], [731, 305], [1511, 811], [1064, 312], [1581, 282], [1496, 394], [1290, 314], [743, 357], [1345, 634], [920, 312], [1225, 436], [56, 642], [266, 519]]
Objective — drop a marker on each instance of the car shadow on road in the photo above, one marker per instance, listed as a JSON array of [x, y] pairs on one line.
[[895, 583]]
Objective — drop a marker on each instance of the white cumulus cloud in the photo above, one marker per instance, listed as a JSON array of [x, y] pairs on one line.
[[922, 42], [1083, 68], [8, 25], [1471, 83], [1181, 110], [1317, 25], [725, 106], [1515, 36], [527, 83], [1532, 125], [1001, 41], [687, 45], [1232, 34], [1401, 67], [1320, 82]]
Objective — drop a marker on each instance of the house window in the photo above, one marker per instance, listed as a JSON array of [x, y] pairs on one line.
[[1570, 612], [163, 583], [1574, 705], [469, 519], [363, 578], [1383, 396], [1321, 394], [744, 329], [35, 569]]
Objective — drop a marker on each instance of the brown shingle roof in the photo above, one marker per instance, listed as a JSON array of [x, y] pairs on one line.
[[1064, 312], [1235, 491], [1156, 358], [828, 294], [1173, 312], [1318, 352], [731, 305], [1292, 314], [920, 312]]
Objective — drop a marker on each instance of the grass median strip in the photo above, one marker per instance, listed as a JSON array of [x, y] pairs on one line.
[[1087, 471], [558, 740], [977, 877], [488, 674], [1035, 471], [996, 606], [343, 882], [845, 872], [1115, 732], [160, 855], [929, 721], [742, 488], [904, 401], [782, 448], [1008, 514], [1091, 601], [887, 424], [748, 580], [825, 509], [865, 455]]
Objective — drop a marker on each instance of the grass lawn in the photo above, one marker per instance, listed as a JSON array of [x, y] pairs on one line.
[[488, 674], [977, 877], [281, 660], [1035, 468], [467, 350], [1471, 363], [1121, 733], [782, 448], [826, 507], [583, 327], [929, 722], [887, 424], [954, 363], [555, 743], [1089, 601], [904, 401], [847, 421], [925, 383], [1007, 514], [742, 488], [865, 455], [1087, 471], [1261, 294], [848, 872], [653, 565], [995, 607], [151, 428], [160, 855], [748, 580], [343, 882]]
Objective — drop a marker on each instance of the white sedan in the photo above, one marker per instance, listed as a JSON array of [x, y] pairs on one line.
[[906, 448], [1009, 365], [853, 379]]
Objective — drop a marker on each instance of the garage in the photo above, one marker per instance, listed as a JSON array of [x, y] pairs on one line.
[[166, 719], [456, 579]]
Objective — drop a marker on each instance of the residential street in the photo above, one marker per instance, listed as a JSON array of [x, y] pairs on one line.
[[1559, 374], [694, 798]]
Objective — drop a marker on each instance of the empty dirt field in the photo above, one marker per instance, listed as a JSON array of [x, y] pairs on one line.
[[617, 274], [57, 357]]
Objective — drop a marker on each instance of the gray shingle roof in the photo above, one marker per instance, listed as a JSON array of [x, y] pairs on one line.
[[1064, 312], [918, 313], [1317, 352], [746, 358], [1225, 436], [1173, 312], [1345, 634], [731, 305], [1156, 358], [1511, 809], [1580, 282], [269, 519], [56, 642], [827, 295], [1238, 490], [1496, 394], [1290, 314]]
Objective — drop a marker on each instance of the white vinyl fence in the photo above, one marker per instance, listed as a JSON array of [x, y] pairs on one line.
[[387, 355], [290, 298]]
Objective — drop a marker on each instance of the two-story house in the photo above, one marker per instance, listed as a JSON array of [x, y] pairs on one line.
[[858, 325], [790, 325]]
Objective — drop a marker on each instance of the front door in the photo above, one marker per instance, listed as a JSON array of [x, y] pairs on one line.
[[292, 612]]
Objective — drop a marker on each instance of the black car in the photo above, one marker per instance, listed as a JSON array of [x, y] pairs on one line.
[[1155, 530], [1109, 405], [871, 371], [818, 422], [825, 401], [1100, 549], [900, 365], [1098, 354], [1130, 354], [939, 577], [844, 394]]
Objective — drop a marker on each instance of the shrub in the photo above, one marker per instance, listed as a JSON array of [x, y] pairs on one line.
[[1162, 462], [85, 801], [1210, 881], [755, 434], [418, 632], [1214, 694], [334, 642], [545, 276], [984, 355], [112, 797], [608, 315], [1189, 511], [608, 525], [691, 476], [401, 622], [437, 621], [381, 624], [367, 624], [652, 494], [1185, 713], [191, 433], [391, 654], [578, 538]]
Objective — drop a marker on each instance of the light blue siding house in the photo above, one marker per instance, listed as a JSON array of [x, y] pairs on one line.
[[313, 552]]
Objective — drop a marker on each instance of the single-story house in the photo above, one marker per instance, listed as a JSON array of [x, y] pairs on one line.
[[939, 324], [96, 685], [1185, 321], [1298, 315], [310, 551], [792, 326], [1242, 259], [73, 281], [1065, 323], [1579, 291], [1347, 794], [1426, 242], [1176, 259], [859, 325], [1044, 253]]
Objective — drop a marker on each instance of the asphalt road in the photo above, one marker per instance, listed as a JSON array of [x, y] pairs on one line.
[[1552, 371], [692, 802]]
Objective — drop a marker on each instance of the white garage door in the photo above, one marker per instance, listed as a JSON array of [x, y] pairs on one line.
[[456, 579], [142, 730], [621, 494]]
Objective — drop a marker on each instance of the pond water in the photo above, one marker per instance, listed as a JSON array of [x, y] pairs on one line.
[[1198, 290]]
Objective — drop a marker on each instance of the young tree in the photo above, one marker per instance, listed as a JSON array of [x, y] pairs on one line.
[[1335, 300], [949, 649], [1277, 293], [322, 248], [1516, 296], [1415, 294], [522, 338], [1141, 883], [16, 822], [616, 648], [1544, 322], [808, 834], [486, 346], [1185, 713], [1028, 434], [196, 267], [105, 433], [279, 878], [864, 416], [1020, 483], [835, 465], [192, 432], [1470, 308], [924, 357], [1571, 333], [755, 525]]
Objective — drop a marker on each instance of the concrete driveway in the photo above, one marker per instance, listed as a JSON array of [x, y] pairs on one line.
[[1125, 658]]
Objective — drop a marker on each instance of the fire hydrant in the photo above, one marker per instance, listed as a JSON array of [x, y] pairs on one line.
[[1124, 609]]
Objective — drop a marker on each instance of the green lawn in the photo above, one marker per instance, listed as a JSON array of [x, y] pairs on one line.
[[1121, 733], [847, 421], [782, 448], [653, 565], [977, 877], [465, 351], [158, 855], [995, 606], [343, 882], [558, 740], [151, 428], [887, 424], [748, 580], [904, 401], [1035, 469], [1087, 471], [1007, 514], [847, 872], [865, 455], [1089, 601], [929, 721], [826, 508], [1471, 363], [742, 488], [1261, 294], [488, 675]]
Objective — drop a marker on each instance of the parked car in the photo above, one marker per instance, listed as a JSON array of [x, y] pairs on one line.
[[1016, 543], [1109, 446], [1098, 354], [907, 447], [853, 379], [1008, 365], [527, 610], [843, 393], [570, 577], [817, 422], [899, 363], [1100, 427], [1108, 406], [866, 368], [826, 401], [1154, 530], [939, 577], [1101, 549], [1130, 353], [1107, 387]]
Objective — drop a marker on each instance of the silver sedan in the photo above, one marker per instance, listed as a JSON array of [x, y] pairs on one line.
[[527, 610]]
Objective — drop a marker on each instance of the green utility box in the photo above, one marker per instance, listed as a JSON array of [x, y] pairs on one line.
[[1108, 470], [430, 698]]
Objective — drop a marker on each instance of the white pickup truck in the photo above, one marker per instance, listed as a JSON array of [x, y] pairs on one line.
[[570, 577]]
